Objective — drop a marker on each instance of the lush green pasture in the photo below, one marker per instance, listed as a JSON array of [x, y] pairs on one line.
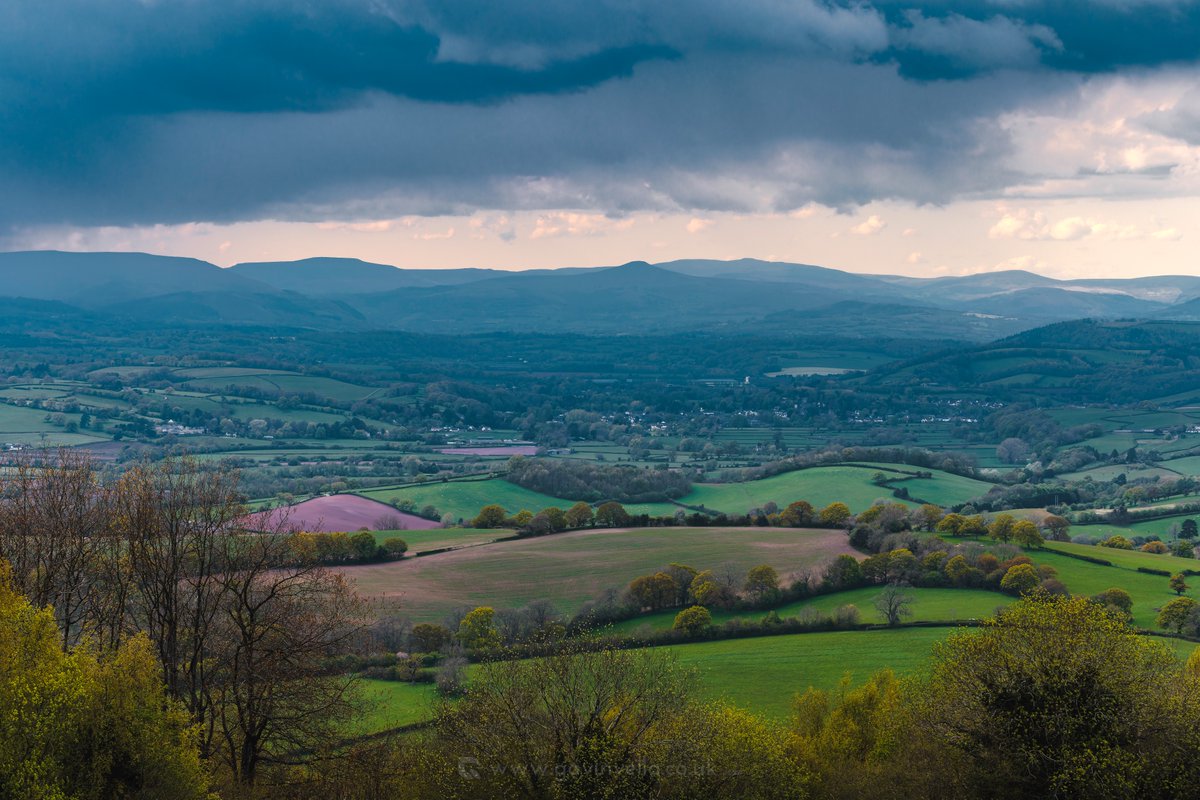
[[1189, 465], [437, 538], [570, 568], [819, 486], [1149, 592], [463, 499], [286, 382], [934, 605], [764, 674], [28, 426], [1128, 559], [944, 488], [393, 704], [761, 674], [1161, 527], [1130, 471]]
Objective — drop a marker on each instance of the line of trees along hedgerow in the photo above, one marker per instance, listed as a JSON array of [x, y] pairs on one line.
[[150, 648]]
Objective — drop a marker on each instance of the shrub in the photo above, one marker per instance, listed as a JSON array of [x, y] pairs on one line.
[[693, 620]]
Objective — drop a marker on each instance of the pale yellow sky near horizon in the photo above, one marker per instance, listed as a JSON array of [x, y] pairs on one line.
[[1063, 238]]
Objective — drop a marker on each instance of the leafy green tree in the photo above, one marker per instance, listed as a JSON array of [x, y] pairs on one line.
[[395, 546], [1020, 579], [930, 515], [654, 591], [1188, 529], [428, 638], [556, 517], [709, 591], [797, 514], [693, 620], [1117, 542], [950, 524], [364, 545], [1058, 527], [490, 516], [1174, 615], [1117, 599], [612, 515], [477, 631], [762, 582], [85, 723], [1054, 697], [580, 515], [844, 573], [1178, 583], [973, 525], [1183, 548], [835, 514], [1001, 527], [1026, 534], [957, 569]]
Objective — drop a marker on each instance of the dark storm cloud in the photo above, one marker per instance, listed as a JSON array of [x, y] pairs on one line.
[[122, 112]]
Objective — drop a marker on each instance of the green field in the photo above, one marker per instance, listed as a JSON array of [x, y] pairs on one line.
[[218, 379], [393, 704], [463, 499], [1130, 471], [1149, 592], [1128, 559], [28, 426], [824, 485], [761, 674], [934, 605], [420, 541], [570, 568]]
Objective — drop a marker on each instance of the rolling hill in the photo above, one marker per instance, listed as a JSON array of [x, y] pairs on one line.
[[684, 295]]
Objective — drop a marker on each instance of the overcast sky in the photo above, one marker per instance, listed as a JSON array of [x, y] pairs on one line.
[[920, 138]]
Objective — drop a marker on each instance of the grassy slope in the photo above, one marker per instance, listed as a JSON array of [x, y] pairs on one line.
[[463, 499], [945, 605], [819, 486], [420, 541]]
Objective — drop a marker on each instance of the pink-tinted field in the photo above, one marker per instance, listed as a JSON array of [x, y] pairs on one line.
[[342, 512], [517, 450]]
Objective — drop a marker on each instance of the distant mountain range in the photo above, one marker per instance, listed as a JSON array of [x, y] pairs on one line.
[[339, 293]]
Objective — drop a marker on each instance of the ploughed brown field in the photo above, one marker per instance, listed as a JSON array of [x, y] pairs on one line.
[[570, 568], [341, 512]]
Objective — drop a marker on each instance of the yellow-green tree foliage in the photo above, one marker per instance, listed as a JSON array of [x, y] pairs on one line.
[[835, 514], [847, 739], [693, 619], [1055, 697], [477, 631], [86, 724]]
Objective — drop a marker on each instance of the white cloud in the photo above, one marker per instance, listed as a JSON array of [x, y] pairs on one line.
[[1035, 226], [568, 223], [696, 225], [870, 226]]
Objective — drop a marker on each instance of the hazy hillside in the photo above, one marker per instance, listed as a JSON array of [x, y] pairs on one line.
[[1073, 362], [96, 279], [337, 276], [691, 294]]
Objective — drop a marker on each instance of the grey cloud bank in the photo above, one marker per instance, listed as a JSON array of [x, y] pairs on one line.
[[127, 112]]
